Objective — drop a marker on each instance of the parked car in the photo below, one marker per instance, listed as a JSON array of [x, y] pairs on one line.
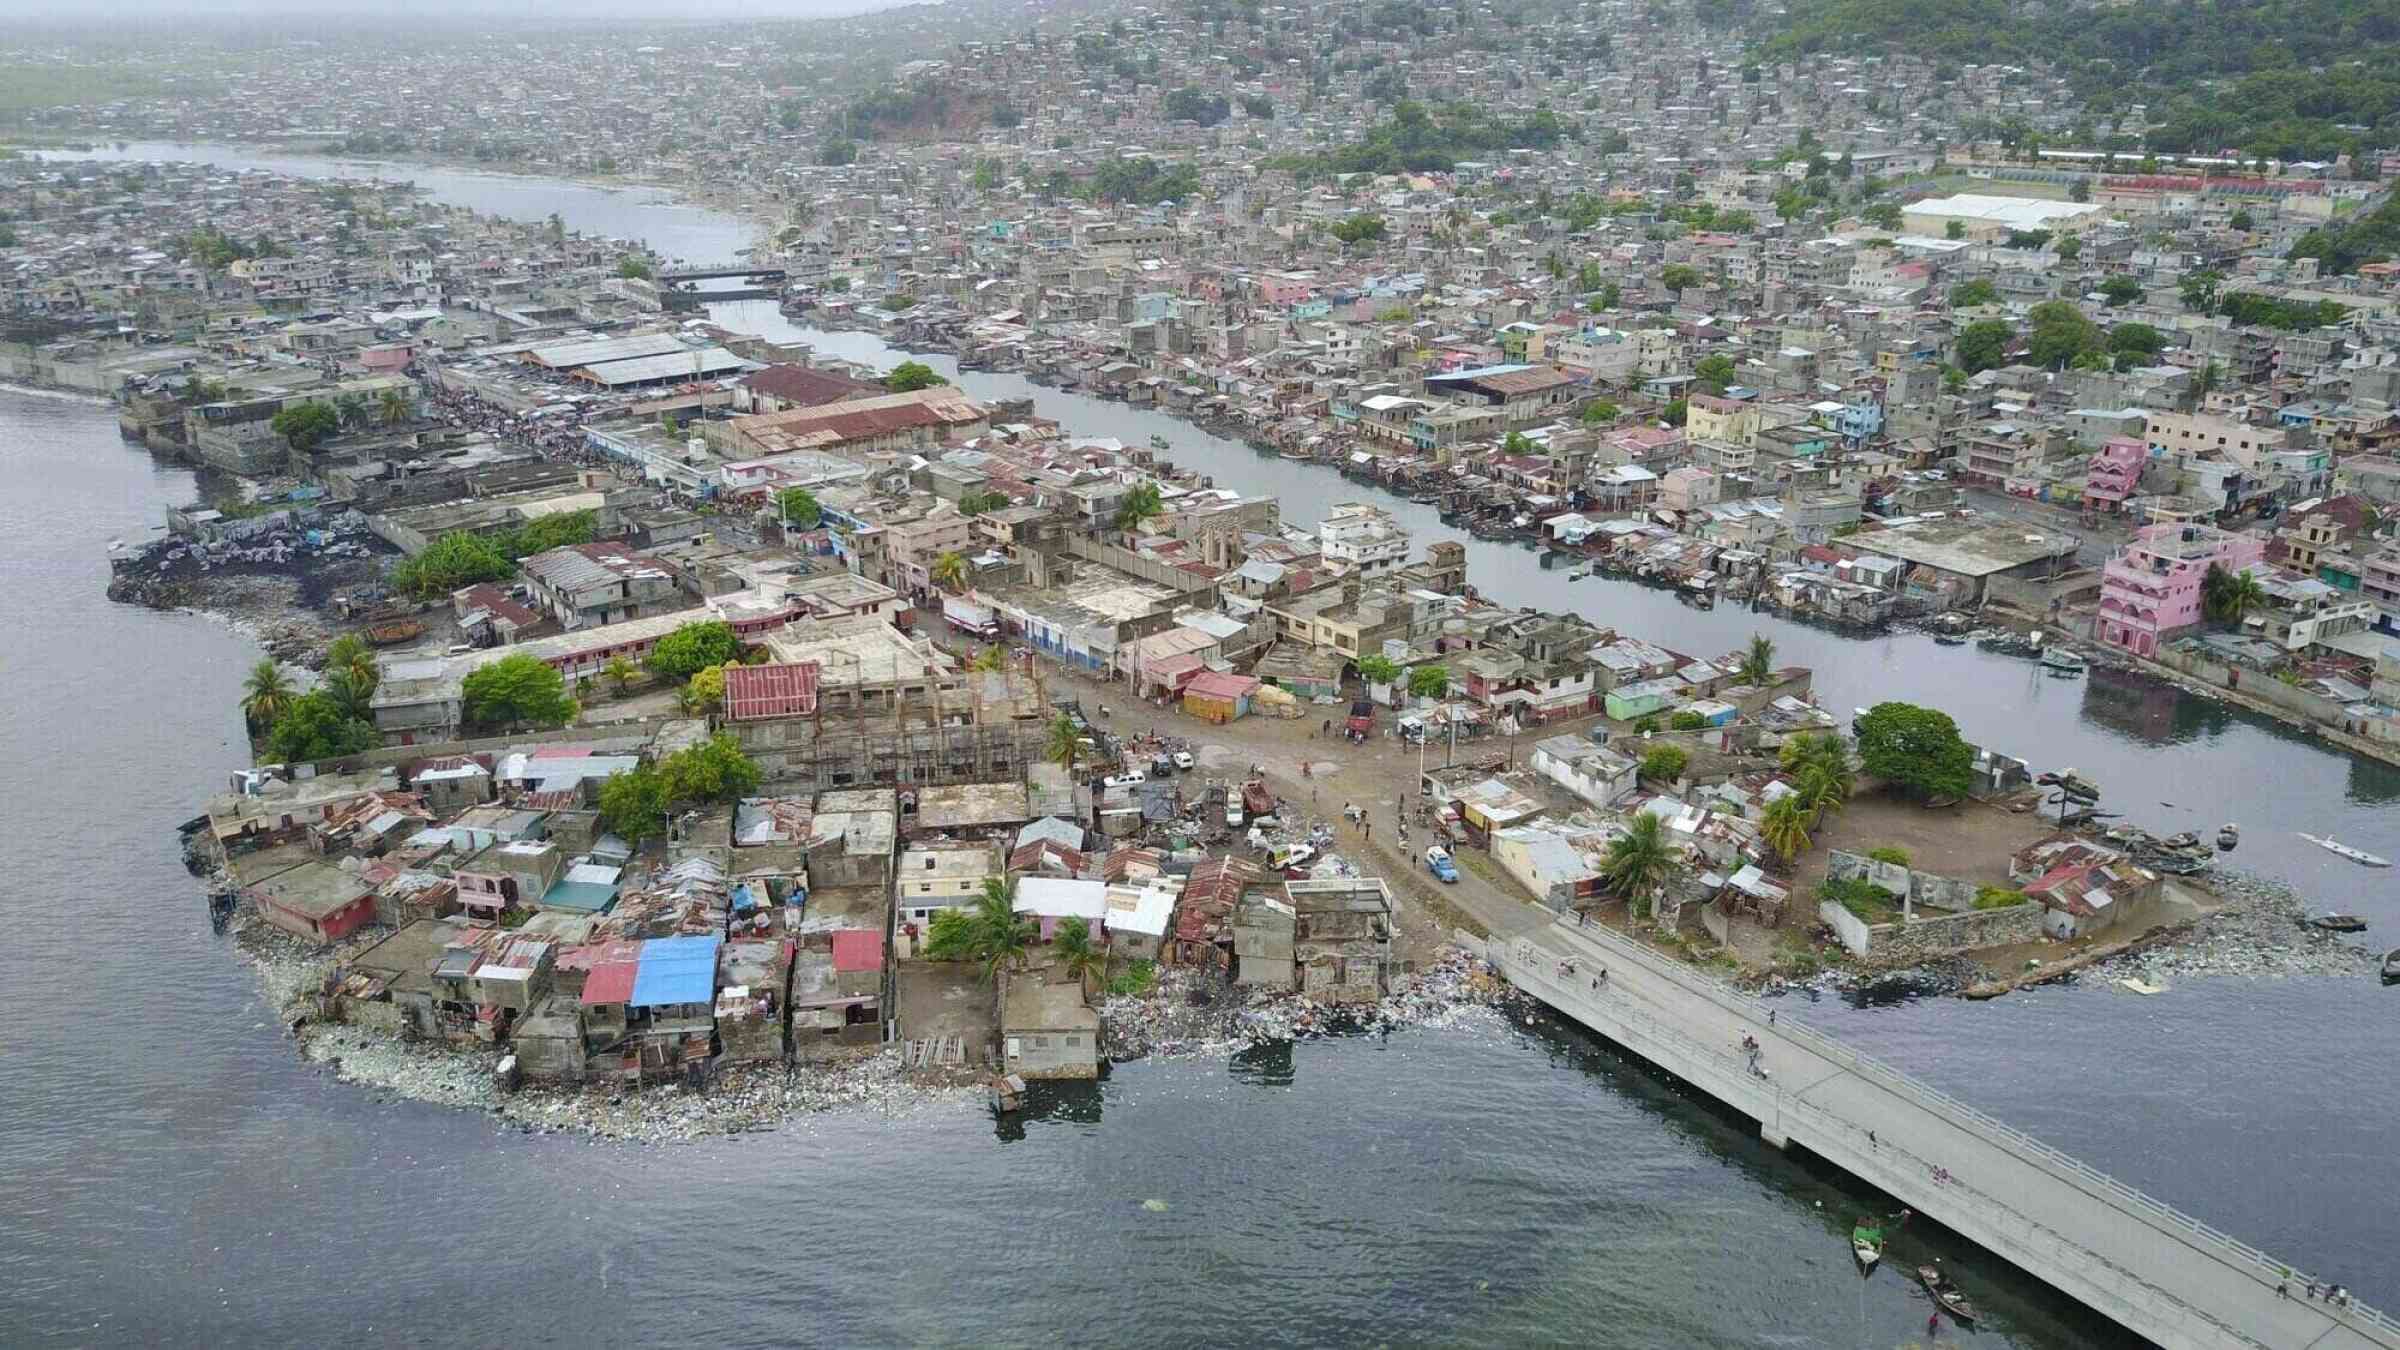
[[1233, 810], [1184, 761], [1125, 779], [1437, 861]]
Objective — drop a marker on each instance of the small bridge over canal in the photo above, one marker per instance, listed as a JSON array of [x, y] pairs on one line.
[[676, 288], [2148, 1267]]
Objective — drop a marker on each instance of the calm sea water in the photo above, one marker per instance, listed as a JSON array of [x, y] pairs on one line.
[[175, 1173]]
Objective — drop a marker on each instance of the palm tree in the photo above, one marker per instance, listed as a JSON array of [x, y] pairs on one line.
[[351, 408], [349, 654], [351, 693], [1140, 504], [1758, 664], [990, 931], [2242, 594], [999, 935], [1821, 764], [620, 672], [991, 659], [266, 694], [1078, 952], [1066, 743], [1639, 860], [1785, 826], [394, 406], [950, 571]]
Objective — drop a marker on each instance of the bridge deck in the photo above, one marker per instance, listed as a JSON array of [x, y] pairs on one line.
[[2145, 1265]]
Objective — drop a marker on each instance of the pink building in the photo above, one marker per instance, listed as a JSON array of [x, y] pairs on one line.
[[2114, 474], [2151, 591]]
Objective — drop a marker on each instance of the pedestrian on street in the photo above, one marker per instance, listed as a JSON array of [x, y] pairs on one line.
[[1933, 1324], [2283, 1289], [1770, 1017]]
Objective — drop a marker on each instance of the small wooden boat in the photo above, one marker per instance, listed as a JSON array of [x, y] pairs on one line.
[[2359, 856], [2339, 923], [2227, 837], [2062, 661], [1866, 1246], [390, 634], [2391, 966], [1946, 1294]]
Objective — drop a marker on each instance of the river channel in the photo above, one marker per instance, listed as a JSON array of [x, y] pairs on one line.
[[175, 1172]]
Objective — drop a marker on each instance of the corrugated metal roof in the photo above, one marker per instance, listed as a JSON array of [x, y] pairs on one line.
[[566, 355], [676, 970], [611, 982], [856, 949], [776, 690]]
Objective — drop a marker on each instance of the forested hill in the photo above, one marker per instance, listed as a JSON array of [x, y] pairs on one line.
[[2288, 79]]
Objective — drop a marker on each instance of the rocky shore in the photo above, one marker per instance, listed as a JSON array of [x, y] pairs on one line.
[[1191, 1015], [1183, 1017], [2259, 931]]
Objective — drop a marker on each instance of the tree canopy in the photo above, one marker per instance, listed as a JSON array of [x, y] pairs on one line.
[[303, 425], [909, 376], [454, 560], [693, 648], [318, 727], [1361, 228], [1417, 139], [1916, 749], [517, 690], [798, 508]]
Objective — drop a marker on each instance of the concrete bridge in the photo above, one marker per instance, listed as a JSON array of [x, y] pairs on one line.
[[716, 271], [2157, 1272]]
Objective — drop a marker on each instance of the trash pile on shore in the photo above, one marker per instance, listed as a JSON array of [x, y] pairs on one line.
[[2259, 931], [1192, 1013], [737, 1100]]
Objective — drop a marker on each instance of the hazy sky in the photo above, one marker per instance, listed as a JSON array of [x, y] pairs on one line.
[[116, 14]]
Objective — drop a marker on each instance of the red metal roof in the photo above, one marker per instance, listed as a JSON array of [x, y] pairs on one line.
[[610, 983], [779, 690], [809, 388], [1219, 684], [857, 949]]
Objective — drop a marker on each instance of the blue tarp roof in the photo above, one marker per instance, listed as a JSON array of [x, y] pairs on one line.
[[676, 970]]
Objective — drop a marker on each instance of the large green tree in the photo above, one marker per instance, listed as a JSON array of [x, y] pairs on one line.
[[634, 805], [1916, 749], [715, 770], [456, 559], [797, 507], [316, 727], [910, 376], [1983, 345], [305, 424], [2059, 333], [693, 648], [517, 690]]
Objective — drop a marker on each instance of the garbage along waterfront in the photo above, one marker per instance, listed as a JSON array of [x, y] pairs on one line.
[[1186, 1015], [2261, 931]]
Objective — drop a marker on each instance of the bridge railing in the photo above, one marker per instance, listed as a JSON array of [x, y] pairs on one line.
[[2233, 1250]]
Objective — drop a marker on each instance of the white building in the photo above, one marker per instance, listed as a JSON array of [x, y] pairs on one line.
[[1361, 538]]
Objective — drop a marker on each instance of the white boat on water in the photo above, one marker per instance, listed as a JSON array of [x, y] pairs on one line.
[[2356, 855], [2064, 660]]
